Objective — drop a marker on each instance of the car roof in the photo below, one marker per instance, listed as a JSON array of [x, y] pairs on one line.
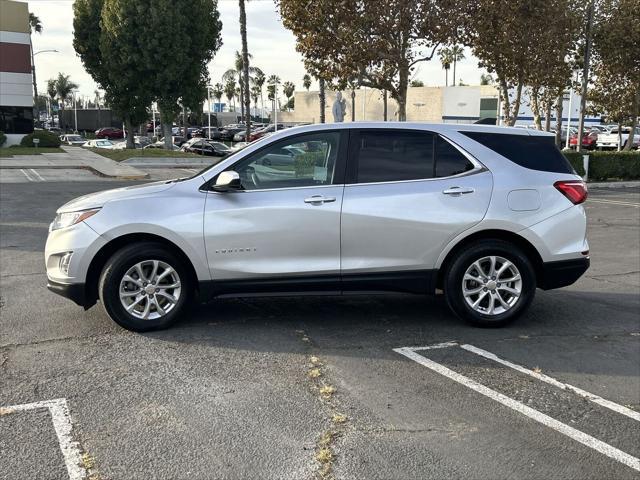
[[443, 128]]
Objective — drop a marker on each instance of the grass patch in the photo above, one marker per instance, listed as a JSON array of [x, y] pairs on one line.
[[120, 155], [11, 151]]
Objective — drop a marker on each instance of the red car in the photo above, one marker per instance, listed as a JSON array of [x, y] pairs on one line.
[[110, 133], [589, 140]]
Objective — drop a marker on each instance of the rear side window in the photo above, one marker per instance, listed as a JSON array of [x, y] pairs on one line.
[[449, 160], [534, 152], [389, 156]]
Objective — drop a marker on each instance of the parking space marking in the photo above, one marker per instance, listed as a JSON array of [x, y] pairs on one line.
[[552, 381], [577, 435], [61, 419], [615, 202], [27, 175], [39, 177]]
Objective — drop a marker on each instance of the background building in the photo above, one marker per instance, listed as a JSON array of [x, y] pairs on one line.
[[16, 93]]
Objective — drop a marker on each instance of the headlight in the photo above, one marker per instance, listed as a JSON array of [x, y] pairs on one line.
[[64, 220]]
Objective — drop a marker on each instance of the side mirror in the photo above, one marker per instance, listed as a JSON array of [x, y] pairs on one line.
[[228, 180]]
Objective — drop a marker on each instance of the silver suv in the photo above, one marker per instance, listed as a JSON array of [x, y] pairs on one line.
[[484, 214]]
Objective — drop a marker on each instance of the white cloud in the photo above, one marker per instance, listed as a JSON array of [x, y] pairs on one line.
[[272, 46]]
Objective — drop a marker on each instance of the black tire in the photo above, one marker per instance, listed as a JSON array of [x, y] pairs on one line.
[[115, 269], [454, 274]]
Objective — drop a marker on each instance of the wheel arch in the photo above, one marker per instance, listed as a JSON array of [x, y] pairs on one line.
[[106, 252], [527, 247]]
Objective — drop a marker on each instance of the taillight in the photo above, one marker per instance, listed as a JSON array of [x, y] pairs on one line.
[[574, 190]]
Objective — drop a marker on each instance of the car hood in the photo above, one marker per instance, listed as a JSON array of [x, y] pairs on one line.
[[98, 199]]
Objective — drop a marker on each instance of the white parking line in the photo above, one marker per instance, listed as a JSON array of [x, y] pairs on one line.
[[577, 435], [552, 381], [27, 175], [615, 202], [37, 174], [61, 419]]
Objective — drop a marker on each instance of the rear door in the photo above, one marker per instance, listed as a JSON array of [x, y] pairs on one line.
[[408, 193]]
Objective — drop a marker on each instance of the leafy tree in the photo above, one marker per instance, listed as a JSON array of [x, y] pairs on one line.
[[416, 83], [288, 88], [486, 79], [306, 81], [378, 43], [616, 38], [512, 38]]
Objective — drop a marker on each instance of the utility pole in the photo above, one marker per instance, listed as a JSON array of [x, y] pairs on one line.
[[585, 75]]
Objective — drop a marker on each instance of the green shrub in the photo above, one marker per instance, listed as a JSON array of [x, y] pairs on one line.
[[608, 165], [3, 138], [47, 139]]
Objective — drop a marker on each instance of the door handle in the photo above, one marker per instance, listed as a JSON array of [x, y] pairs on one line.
[[458, 190], [319, 199]]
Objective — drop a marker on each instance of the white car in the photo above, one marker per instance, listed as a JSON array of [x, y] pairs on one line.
[[99, 143], [73, 140], [485, 214], [607, 141]]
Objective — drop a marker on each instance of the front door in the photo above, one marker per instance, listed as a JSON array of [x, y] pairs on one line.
[[283, 225], [408, 193]]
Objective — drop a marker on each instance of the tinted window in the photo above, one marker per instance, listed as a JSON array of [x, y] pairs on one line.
[[534, 152], [449, 160], [387, 155], [302, 161]]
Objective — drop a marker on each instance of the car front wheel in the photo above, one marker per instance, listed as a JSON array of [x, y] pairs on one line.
[[490, 283], [144, 287]]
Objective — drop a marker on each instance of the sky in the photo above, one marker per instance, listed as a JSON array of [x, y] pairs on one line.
[[272, 47]]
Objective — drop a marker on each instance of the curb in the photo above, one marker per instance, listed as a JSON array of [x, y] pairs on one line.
[[80, 167]]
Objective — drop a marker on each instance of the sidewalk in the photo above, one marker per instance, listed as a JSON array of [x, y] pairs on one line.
[[622, 184], [75, 157]]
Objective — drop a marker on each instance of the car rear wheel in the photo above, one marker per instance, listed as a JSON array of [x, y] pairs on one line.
[[145, 286], [490, 283]]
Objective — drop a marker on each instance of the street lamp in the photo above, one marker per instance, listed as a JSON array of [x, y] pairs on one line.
[[75, 111], [209, 87], [33, 75]]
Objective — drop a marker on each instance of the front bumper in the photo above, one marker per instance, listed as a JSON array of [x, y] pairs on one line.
[[73, 291], [562, 273]]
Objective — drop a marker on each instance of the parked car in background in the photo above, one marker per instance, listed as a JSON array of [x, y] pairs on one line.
[[73, 140], [159, 145], [589, 139], [271, 128], [99, 143], [110, 133], [227, 133], [212, 133], [202, 146], [611, 140]]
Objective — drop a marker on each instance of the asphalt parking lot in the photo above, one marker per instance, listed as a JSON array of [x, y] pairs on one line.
[[387, 386]]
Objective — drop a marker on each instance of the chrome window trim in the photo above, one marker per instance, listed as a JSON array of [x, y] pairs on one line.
[[275, 189]]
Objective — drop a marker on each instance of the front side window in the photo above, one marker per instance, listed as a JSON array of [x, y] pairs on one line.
[[301, 161], [389, 156]]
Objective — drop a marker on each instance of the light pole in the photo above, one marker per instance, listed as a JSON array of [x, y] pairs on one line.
[[33, 75], [75, 111], [570, 110], [209, 109]]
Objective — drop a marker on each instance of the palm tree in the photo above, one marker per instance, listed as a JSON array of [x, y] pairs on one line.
[[218, 91], [52, 91], [256, 92], [288, 88], [445, 59], [230, 92], [236, 74], [36, 27], [457, 54], [245, 68], [258, 79], [306, 81], [272, 87], [64, 87]]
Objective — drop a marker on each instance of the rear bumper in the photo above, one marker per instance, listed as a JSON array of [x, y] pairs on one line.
[[562, 273], [72, 291]]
